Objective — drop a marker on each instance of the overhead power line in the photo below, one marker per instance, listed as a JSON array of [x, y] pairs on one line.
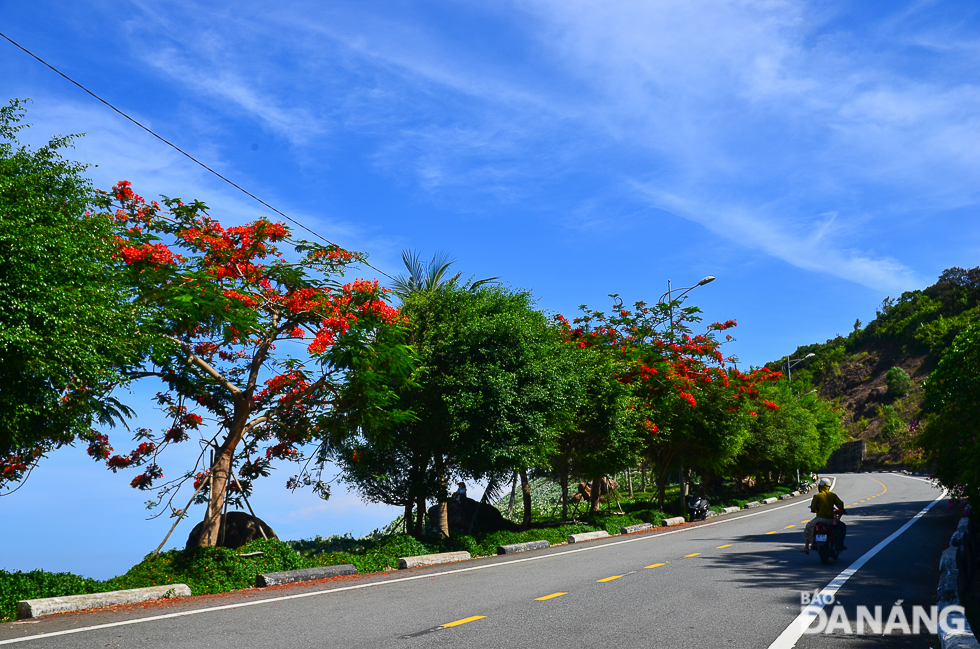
[[179, 150]]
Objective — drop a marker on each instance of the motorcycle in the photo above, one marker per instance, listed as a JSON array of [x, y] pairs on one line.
[[826, 541], [804, 486], [697, 508]]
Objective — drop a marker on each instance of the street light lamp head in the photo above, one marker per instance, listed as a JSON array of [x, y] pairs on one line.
[[809, 356], [706, 280]]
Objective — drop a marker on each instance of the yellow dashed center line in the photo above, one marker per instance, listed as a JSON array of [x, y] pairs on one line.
[[806, 521], [463, 621], [768, 533], [788, 527], [688, 556], [551, 596], [657, 565], [724, 546], [599, 581]]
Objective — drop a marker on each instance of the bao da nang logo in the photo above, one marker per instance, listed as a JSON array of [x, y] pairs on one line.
[[825, 615]]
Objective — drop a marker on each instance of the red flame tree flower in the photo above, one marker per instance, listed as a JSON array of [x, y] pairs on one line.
[[260, 354]]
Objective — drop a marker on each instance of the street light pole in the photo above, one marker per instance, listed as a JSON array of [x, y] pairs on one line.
[[670, 298], [790, 364], [670, 305]]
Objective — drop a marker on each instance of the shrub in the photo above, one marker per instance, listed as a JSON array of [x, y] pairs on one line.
[[899, 382], [15, 586]]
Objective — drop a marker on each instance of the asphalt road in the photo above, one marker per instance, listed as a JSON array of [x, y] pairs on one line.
[[736, 582]]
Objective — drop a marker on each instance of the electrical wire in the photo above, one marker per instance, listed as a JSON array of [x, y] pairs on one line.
[[179, 150]]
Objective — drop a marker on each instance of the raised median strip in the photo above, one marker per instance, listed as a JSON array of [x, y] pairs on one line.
[[754, 503], [522, 547], [795, 493], [786, 497], [430, 559], [731, 510], [676, 520], [306, 574], [587, 536], [51, 605], [769, 501], [639, 527]]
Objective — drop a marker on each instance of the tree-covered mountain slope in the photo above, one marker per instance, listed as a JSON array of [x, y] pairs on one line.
[[877, 372]]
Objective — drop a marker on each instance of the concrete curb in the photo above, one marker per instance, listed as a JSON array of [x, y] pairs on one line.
[[306, 574], [51, 605], [730, 510], [769, 501], [430, 559], [754, 503], [786, 497], [948, 592], [629, 529], [587, 536], [522, 547], [676, 520]]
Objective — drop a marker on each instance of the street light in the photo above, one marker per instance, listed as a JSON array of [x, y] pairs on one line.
[[790, 364], [670, 302], [670, 298]]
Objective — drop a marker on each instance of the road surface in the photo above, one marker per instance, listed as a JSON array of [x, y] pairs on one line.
[[730, 582]]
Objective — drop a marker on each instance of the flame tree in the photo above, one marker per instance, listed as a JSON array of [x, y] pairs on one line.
[[261, 355], [691, 404]]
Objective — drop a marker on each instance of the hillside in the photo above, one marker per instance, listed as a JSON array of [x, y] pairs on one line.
[[910, 333]]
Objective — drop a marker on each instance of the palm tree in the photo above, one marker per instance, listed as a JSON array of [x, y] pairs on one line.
[[428, 277]]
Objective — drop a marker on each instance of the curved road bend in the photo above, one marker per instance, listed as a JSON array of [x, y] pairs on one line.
[[735, 582]]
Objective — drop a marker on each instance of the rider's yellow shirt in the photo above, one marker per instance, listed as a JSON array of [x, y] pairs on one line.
[[823, 503]]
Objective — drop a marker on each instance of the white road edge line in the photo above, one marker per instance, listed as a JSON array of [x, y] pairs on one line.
[[272, 600], [791, 635]]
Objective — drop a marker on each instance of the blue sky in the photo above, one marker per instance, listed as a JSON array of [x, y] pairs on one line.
[[815, 157]]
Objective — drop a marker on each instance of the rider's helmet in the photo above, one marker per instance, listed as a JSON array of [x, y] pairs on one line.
[[824, 482]]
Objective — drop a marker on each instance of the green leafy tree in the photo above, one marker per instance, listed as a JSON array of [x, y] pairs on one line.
[[597, 434], [789, 432], [952, 410], [486, 391], [68, 325]]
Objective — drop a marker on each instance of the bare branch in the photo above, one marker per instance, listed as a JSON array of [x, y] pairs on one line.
[[206, 367]]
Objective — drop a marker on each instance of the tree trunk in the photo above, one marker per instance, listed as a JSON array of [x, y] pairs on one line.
[[442, 513], [564, 498], [513, 494], [220, 470], [408, 517], [643, 477], [661, 480], [420, 517], [526, 493], [682, 484], [629, 480], [595, 495]]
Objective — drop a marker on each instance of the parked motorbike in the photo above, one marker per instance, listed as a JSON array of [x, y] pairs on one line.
[[697, 507], [804, 486], [826, 539]]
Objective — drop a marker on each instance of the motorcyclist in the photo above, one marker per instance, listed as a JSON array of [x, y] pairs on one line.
[[823, 504]]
